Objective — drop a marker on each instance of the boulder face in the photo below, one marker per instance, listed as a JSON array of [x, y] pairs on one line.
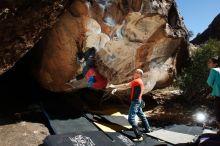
[[127, 34], [22, 24], [212, 32]]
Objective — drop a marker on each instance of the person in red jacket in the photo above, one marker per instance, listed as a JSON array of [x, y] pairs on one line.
[[93, 78], [137, 88]]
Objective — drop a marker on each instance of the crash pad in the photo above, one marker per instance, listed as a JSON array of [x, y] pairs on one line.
[[96, 138], [81, 124], [92, 138], [187, 129], [109, 123], [172, 137], [118, 119]]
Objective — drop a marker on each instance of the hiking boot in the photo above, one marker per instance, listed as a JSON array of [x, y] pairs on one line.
[[140, 138], [147, 131], [136, 132]]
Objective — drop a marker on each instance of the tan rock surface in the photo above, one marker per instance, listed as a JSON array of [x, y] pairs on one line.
[[22, 24], [127, 36], [23, 134]]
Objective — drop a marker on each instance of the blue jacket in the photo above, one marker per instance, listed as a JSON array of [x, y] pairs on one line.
[[214, 81]]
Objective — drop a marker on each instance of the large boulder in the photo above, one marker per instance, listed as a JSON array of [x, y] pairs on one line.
[[22, 24], [127, 35], [22, 134]]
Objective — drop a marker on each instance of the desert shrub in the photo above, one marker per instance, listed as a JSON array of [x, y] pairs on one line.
[[192, 79]]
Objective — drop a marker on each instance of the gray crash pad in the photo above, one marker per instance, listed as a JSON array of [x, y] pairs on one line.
[[172, 137]]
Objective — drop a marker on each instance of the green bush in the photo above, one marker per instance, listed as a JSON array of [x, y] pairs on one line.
[[192, 80]]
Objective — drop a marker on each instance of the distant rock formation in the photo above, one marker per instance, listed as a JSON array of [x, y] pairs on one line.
[[128, 34], [212, 32]]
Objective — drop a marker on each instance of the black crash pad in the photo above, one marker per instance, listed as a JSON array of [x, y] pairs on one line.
[[81, 124], [93, 138], [97, 138]]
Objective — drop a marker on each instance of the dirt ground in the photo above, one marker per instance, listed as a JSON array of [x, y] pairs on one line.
[[173, 107]]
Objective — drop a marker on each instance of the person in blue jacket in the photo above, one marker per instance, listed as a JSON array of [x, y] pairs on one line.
[[214, 82]]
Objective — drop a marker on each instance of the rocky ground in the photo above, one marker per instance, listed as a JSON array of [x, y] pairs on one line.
[[21, 133], [172, 107], [30, 129]]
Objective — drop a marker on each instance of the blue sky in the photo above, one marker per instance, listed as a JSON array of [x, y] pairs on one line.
[[198, 14]]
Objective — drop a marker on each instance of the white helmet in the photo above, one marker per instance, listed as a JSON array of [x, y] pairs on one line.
[[140, 71]]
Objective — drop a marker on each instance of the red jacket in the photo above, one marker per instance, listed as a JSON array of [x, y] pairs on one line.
[[100, 81]]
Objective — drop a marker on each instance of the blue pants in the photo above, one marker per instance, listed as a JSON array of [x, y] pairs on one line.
[[135, 109]]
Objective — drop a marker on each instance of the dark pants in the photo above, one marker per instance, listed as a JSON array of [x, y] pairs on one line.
[[89, 57], [217, 108]]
